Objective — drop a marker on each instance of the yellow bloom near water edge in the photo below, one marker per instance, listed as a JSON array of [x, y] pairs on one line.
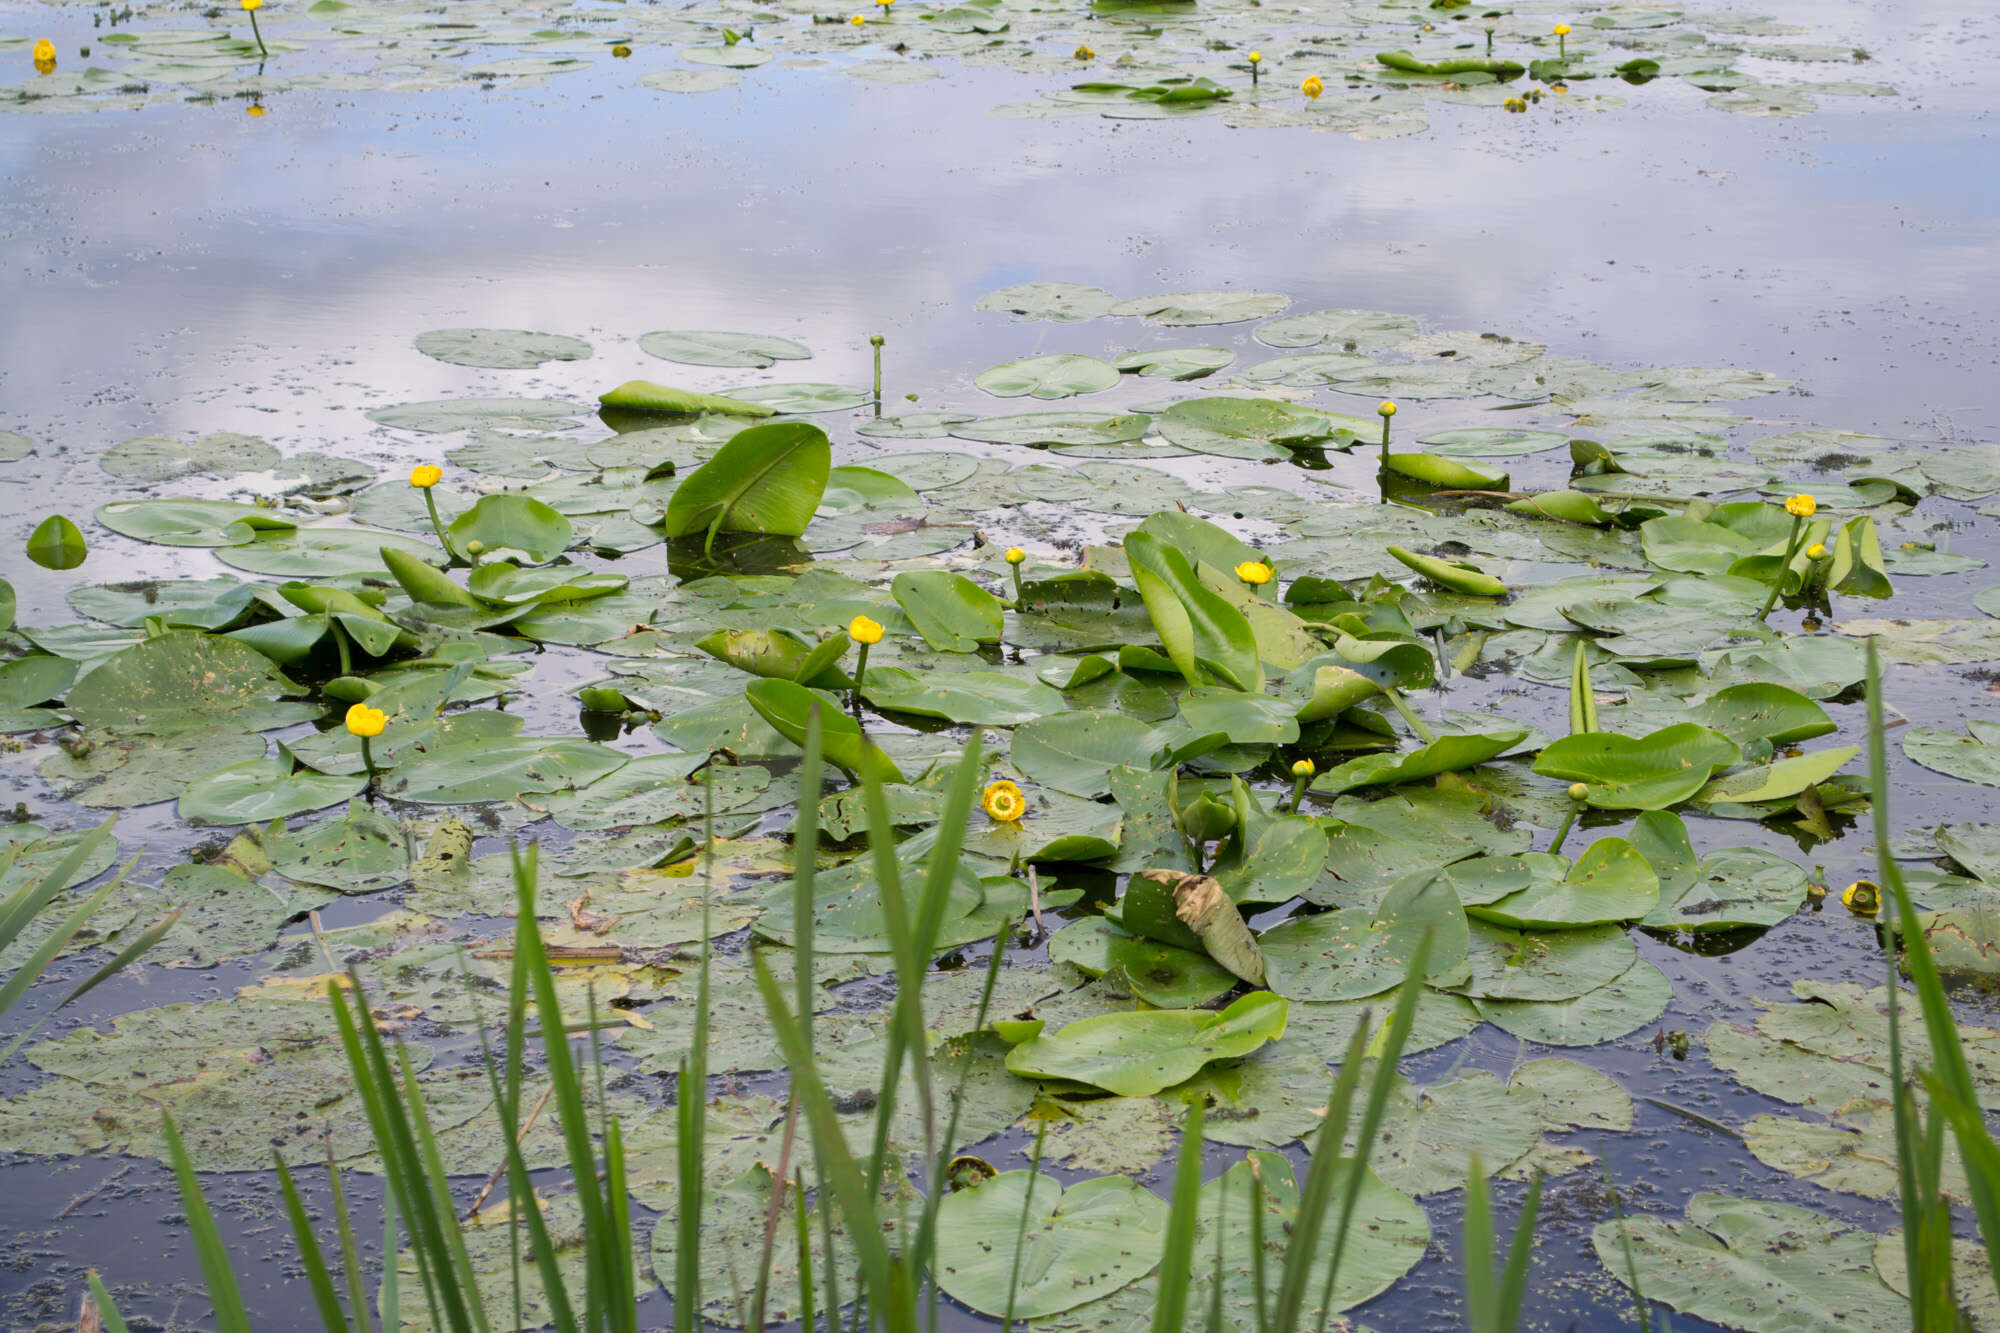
[[1003, 801], [1303, 768], [1385, 408], [1816, 552], [44, 50], [366, 722], [864, 631], [1562, 29], [1863, 897], [1015, 555], [426, 475], [1312, 87], [1254, 572], [1801, 506], [253, 4]]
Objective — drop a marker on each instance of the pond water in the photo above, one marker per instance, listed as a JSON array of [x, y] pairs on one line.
[[179, 268]]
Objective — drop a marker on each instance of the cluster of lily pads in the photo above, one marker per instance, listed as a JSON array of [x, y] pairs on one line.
[[1247, 750], [1381, 65]]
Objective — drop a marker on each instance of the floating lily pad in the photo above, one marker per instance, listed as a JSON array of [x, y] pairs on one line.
[[500, 349]]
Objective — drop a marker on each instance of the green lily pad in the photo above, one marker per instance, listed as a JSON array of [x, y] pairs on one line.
[[1078, 1244], [500, 349], [754, 350], [1048, 377], [1137, 1054]]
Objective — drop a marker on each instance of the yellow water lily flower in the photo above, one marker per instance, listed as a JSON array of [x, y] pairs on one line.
[[1515, 105], [1312, 87], [857, 20], [253, 4], [426, 475], [1083, 53], [1015, 555], [1256, 57], [621, 51], [1863, 897], [366, 722], [1003, 801], [253, 110], [1816, 552], [1801, 506], [863, 630], [1303, 769], [1385, 408], [1254, 572], [1562, 29], [1579, 791], [44, 50]]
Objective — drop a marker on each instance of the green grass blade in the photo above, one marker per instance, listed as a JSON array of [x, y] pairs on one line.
[[107, 1309], [802, 1225], [1383, 1080], [884, 1287], [350, 1253], [438, 1181], [318, 1280], [31, 969], [1476, 1251], [1514, 1284], [21, 906], [1317, 1195], [389, 1300], [216, 1273], [1183, 1219], [805, 865]]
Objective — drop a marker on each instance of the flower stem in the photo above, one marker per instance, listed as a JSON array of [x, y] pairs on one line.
[[1018, 599], [346, 659], [1416, 723], [437, 524], [368, 758], [876, 343], [1562, 829], [1299, 785], [258, 33], [860, 672], [1791, 549], [1385, 437]]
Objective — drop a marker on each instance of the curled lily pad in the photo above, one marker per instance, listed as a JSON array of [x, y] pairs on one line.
[[1137, 1054], [1645, 773]]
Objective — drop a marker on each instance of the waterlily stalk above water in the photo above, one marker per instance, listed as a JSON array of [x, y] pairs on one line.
[[251, 7], [1801, 507], [424, 477]]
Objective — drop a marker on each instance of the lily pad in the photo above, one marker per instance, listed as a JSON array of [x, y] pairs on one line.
[[500, 349]]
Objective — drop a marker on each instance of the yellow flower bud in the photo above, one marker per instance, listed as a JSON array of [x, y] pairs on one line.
[[621, 51], [1579, 791], [1312, 87], [1003, 802], [863, 630], [1385, 409], [1562, 29], [1863, 897], [366, 722], [1015, 555], [1083, 53], [1254, 572], [475, 547], [426, 475], [1256, 57], [1801, 506], [253, 4], [1303, 769], [1816, 552], [857, 20], [44, 50]]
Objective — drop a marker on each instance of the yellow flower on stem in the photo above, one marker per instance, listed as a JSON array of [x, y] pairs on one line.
[[1256, 57], [1562, 41], [1862, 897], [867, 633], [1816, 552], [423, 477], [621, 51], [1084, 53], [1256, 573], [253, 110], [1002, 801], [1312, 87], [45, 50], [366, 722], [1385, 409], [1302, 773], [1015, 555], [857, 20], [252, 6], [1801, 506]]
